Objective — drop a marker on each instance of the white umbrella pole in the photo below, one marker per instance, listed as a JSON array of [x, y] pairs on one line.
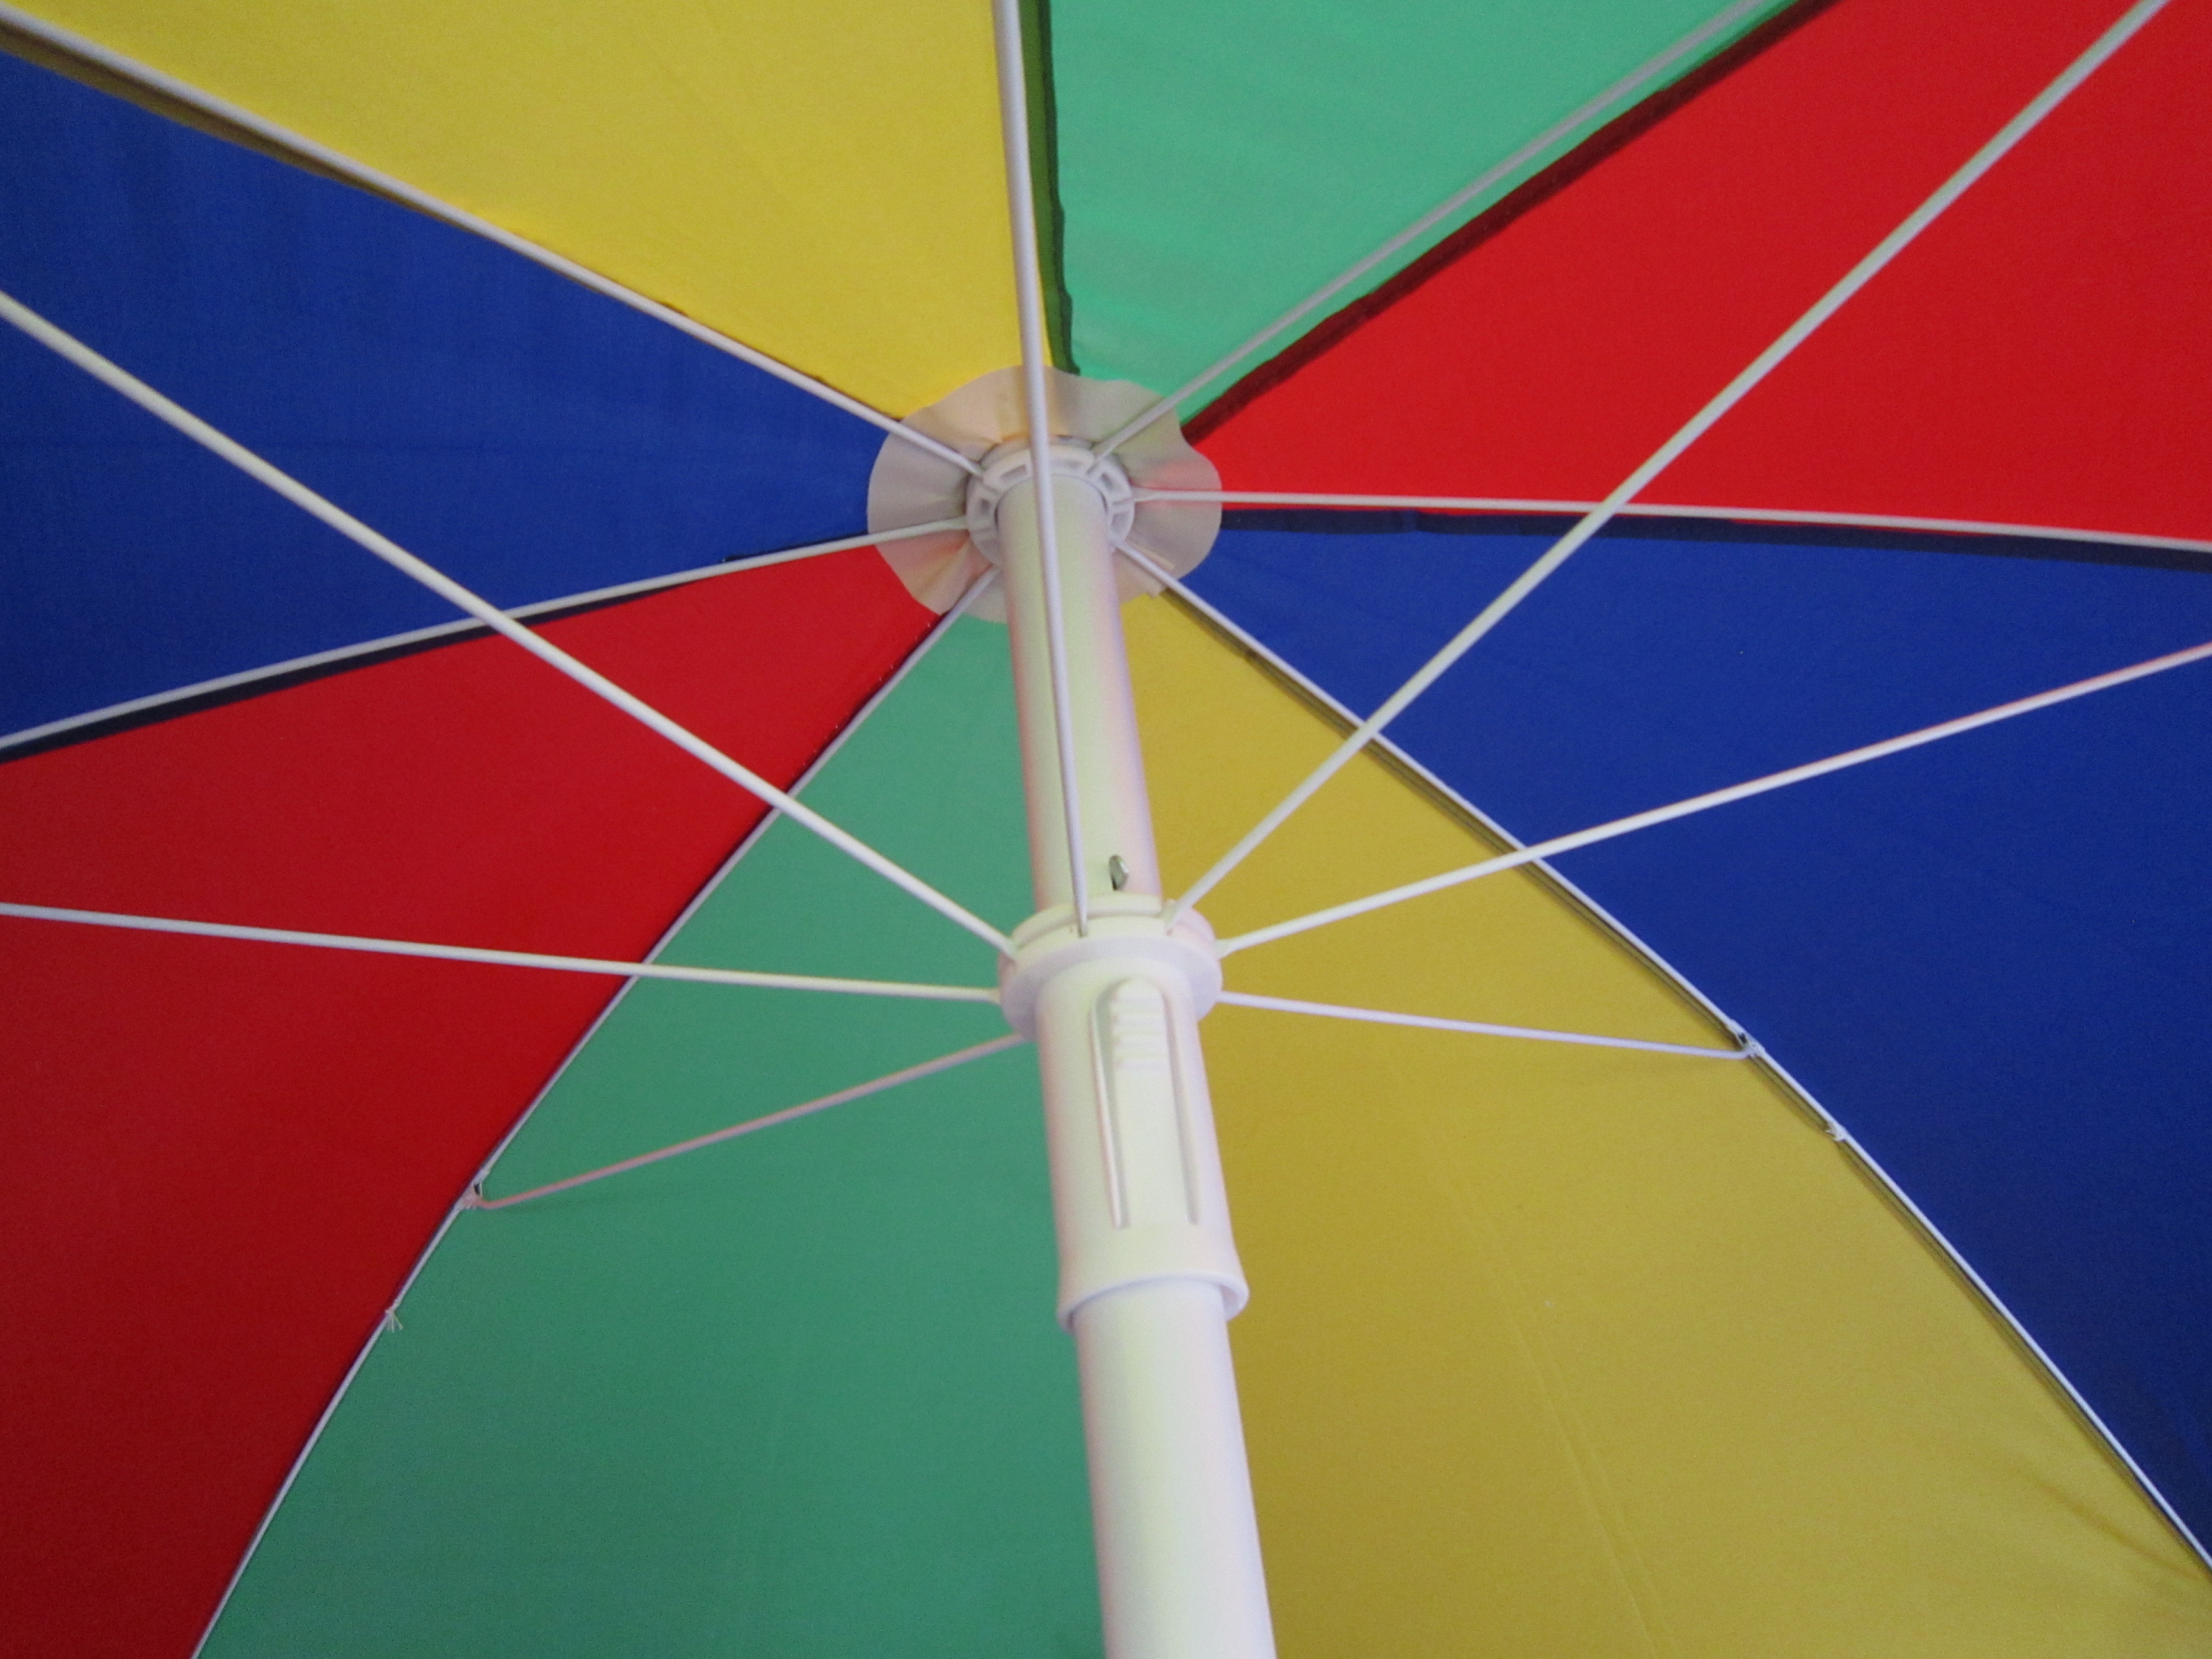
[[1149, 1275]]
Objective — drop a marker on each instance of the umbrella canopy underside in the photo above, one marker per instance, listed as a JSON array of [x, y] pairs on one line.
[[1885, 1340]]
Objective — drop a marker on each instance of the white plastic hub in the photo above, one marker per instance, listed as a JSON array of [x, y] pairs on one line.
[[1009, 464], [1123, 929], [1149, 1274], [987, 422]]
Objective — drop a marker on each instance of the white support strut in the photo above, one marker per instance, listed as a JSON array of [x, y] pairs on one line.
[[1615, 828], [477, 1200], [1477, 1027], [425, 951]]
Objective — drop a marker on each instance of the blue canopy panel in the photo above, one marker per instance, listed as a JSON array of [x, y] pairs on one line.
[[1987, 957], [528, 436]]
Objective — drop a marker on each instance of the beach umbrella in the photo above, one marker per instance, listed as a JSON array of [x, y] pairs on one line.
[[1615, 630]]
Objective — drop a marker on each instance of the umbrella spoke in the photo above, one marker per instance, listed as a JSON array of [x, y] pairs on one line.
[[503, 959], [1695, 804], [397, 947], [1476, 1027], [1783, 515], [1699, 424], [485, 611], [1615, 98], [477, 1200], [447, 630]]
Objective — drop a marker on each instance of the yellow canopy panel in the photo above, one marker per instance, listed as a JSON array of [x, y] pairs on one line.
[[821, 180], [1579, 1351]]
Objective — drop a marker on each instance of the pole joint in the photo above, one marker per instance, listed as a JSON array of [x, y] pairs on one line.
[[1127, 929]]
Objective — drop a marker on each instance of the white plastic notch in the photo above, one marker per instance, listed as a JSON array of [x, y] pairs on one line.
[[1142, 1116]]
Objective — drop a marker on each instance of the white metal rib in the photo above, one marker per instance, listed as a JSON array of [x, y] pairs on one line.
[[1764, 364], [443, 630], [1479, 1028], [337, 161], [484, 610], [1477, 504], [1605, 103], [858, 1091], [397, 947], [1694, 803], [1028, 292]]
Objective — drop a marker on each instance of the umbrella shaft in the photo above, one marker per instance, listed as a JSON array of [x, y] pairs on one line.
[[1182, 1579], [1106, 776], [1149, 1274]]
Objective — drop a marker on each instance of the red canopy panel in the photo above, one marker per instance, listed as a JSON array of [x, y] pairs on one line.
[[2042, 355], [225, 1158]]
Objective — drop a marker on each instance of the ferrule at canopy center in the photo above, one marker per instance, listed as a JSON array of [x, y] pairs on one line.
[[986, 422]]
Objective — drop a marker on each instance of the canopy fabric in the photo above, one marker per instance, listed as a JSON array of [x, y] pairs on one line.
[[1592, 701], [527, 436], [1538, 1448], [1975, 380], [1574, 1351], [911, 1475], [1883, 1341], [732, 164], [1170, 262], [231, 1154]]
